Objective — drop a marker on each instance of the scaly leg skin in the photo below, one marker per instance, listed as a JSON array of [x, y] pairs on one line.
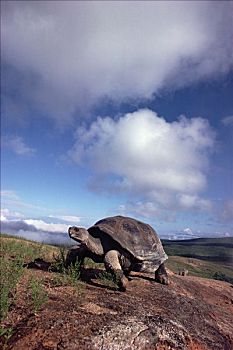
[[161, 275], [112, 265]]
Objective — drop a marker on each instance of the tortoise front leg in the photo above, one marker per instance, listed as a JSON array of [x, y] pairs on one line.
[[112, 265], [161, 275]]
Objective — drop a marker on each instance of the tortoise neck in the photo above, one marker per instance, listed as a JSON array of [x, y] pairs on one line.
[[94, 245]]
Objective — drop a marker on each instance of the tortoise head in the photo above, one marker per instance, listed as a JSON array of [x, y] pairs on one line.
[[79, 234]]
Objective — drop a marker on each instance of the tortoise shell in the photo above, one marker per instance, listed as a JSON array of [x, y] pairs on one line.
[[134, 236]]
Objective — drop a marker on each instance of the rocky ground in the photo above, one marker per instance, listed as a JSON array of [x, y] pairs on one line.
[[191, 313]]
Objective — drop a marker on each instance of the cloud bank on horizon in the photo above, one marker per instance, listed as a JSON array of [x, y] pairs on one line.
[[37, 229], [56, 233], [79, 52], [63, 60]]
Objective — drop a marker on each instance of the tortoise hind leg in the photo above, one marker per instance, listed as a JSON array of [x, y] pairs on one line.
[[161, 275], [113, 265]]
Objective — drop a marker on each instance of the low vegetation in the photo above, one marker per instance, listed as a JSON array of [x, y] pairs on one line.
[[37, 293], [203, 257], [10, 273], [209, 249], [66, 276], [108, 279], [15, 253]]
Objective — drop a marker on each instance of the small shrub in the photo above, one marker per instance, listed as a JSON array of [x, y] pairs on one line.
[[5, 334], [91, 264], [108, 279], [56, 281], [59, 263], [222, 277], [10, 273], [71, 277], [38, 294], [73, 273], [70, 274]]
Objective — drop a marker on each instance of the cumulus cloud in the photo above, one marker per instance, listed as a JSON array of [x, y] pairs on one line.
[[227, 212], [143, 154], [6, 214], [72, 53], [187, 201], [40, 225], [228, 121], [188, 231], [147, 210], [67, 218], [18, 146]]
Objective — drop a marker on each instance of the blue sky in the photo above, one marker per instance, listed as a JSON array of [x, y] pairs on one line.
[[117, 108]]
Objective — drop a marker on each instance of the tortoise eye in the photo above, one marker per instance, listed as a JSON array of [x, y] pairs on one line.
[[73, 228]]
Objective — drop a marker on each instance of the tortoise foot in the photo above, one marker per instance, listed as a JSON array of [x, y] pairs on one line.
[[161, 275], [121, 281], [163, 279]]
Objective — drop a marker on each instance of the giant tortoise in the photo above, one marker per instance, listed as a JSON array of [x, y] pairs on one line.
[[123, 244]]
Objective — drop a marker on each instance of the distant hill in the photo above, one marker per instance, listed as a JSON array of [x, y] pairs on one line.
[[212, 249], [203, 257]]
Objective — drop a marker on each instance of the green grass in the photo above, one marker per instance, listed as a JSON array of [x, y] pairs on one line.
[[200, 268], [203, 257], [37, 293], [211, 249], [14, 253], [10, 273], [108, 279], [72, 272], [6, 334], [15, 247]]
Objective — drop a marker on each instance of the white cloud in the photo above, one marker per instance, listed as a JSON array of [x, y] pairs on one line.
[[227, 234], [72, 53], [47, 227], [67, 218], [18, 146], [41, 230], [227, 211], [187, 201], [16, 221], [147, 210], [6, 214], [188, 231], [228, 121], [11, 215], [37, 230], [145, 155]]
